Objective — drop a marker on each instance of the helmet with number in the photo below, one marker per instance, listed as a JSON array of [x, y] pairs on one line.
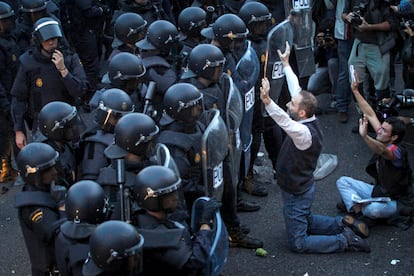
[[33, 160], [161, 35], [129, 28], [205, 60], [226, 29], [114, 247], [113, 104], [46, 28], [125, 68], [255, 13], [86, 202], [179, 101], [60, 121], [152, 184], [134, 133], [191, 20], [33, 5]]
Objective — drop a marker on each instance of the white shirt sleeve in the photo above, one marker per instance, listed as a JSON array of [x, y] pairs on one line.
[[292, 81], [299, 133]]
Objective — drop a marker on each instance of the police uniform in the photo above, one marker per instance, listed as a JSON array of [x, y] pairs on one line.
[[39, 219], [38, 82], [72, 247]]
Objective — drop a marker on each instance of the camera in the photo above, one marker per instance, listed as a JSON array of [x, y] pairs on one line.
[[405, 23], [358, 11]]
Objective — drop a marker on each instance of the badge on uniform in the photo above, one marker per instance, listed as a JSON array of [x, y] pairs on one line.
[[37, 216], [197, 158], [39, 82]]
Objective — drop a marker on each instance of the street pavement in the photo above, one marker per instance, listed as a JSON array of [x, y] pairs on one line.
[[391, 249]]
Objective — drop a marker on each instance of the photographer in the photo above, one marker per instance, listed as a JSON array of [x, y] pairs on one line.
[[326, 57], [373, 23]]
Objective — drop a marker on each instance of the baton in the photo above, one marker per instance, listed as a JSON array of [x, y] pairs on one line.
[[265, 63], [120, 180]]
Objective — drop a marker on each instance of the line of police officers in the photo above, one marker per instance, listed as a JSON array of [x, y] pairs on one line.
[[79, 185]]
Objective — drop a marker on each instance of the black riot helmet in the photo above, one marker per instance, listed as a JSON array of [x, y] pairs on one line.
[[60, 121], [115, 249], [134, 133], [124, 69], [129, 28], [161, 35], [191, 20], [34, 159], [205, 60], [226, 29], [33, 5], [46, 28], [254, 15], [152, 184], [179, 101], [113, 104], [86, 202], [7, 17], [6, 10]]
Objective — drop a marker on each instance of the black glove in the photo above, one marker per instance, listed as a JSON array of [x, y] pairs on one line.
[[209, 211]]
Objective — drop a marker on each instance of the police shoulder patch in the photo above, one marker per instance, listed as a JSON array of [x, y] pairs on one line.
[[37, 216]]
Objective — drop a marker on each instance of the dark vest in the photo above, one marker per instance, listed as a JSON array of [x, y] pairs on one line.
[[295, 167]]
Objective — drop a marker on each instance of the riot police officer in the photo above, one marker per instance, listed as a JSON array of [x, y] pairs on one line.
[[168, 247], [257, 18], [191, 21], [9, 53], [46, 73], [133, 145], [115, 249], [129, 28], [40, 205], [113, 104], [61, 127], [159, 51], [85, 208]]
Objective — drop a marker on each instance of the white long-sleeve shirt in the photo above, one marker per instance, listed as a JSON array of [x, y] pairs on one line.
[[297, 131]]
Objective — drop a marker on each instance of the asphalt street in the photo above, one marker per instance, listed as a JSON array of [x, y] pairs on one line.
[[392, 249]]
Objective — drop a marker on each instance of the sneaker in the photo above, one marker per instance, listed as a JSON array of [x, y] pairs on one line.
[[238, 239], [358, 226], [355, 242], [343, 117]]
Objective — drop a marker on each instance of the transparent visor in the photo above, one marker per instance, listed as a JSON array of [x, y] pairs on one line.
[[171, 39], [182, 105], [146, 139], [195, 25], [134, 31], [260, 18], [216, 63], [41, 167], [120, 76], [234, 36], [62, 123], [113, 112], [150, 193], [132, 257]]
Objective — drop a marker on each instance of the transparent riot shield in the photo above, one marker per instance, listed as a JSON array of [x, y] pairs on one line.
[[214, 147], [248, 69], [163, 157], [233, 117], [303, 33], [276, 39], [220, 246]]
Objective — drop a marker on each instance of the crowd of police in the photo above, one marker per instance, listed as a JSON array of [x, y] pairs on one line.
[[177, 125], [135, 192]]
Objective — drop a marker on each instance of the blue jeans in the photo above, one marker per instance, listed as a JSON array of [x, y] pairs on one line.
[[309, 233], [343, 91], [347, 186]]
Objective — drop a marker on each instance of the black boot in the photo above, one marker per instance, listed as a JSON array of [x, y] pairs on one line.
[[238, 239]]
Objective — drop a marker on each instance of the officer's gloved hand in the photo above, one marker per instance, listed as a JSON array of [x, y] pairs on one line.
[[209, 211]]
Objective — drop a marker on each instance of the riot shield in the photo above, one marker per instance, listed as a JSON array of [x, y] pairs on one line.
[[163, 157], [220, 246], [248, 69], [276, 39], [303, 33], [233, 117], [214, 147]]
